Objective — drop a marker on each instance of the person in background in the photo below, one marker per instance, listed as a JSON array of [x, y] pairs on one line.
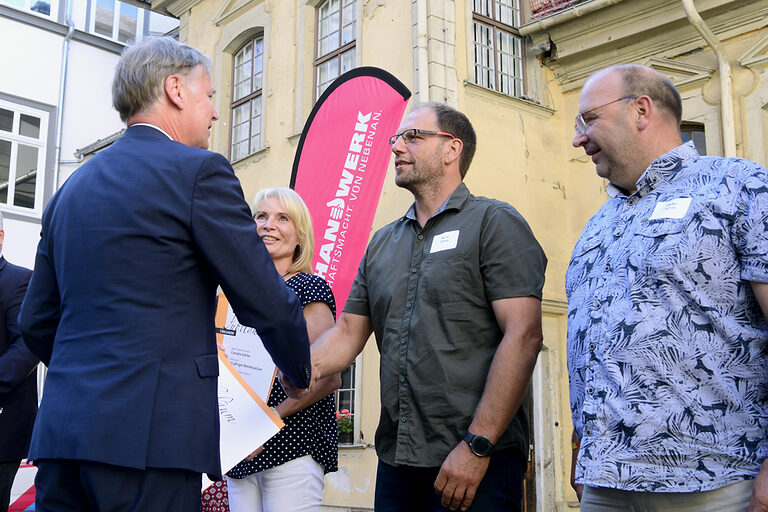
[[287, 473], [18, 376], [667, 294]]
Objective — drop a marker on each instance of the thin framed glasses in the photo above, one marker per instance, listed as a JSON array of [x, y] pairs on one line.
[[581, 123], [409, 135]]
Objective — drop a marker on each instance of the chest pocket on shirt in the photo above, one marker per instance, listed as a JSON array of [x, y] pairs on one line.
[[663, 247], [585, 254], [440, 273]]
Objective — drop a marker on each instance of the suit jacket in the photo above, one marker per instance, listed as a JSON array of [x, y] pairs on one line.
[[122, 304], [18, 368]]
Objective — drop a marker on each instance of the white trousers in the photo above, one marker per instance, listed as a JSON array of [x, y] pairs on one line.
[[296, 486]]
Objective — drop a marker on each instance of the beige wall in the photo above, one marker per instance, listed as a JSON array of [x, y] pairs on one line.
[[524, 154]]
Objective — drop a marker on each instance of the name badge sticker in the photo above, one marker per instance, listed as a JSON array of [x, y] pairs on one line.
[[445, 241], [674, 209]]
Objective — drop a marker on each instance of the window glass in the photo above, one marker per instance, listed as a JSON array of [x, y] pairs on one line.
[[697, 133], [336, 21], [6, 120], [159, 24], [243, 71], [498, 48], [5, 167], [30, 126], [345, 401], [129, 16], [105, 17], [22, 150], [255, 124], [246, 137], [26, 176], [41, 7]]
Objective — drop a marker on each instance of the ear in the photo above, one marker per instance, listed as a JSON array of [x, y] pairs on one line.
[[644, 110], [453, 150], [173, 88]]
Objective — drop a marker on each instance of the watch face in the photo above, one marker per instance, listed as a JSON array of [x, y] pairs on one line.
[[481, 445]]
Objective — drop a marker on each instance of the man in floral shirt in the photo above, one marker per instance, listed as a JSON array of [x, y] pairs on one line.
[[667, 336]]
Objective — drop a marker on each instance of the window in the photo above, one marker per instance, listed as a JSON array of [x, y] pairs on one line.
[[696, 133], [345, 403], [116, 20], [335, 41], [246, 99], [44, 7], [23, 135], [498, 46]]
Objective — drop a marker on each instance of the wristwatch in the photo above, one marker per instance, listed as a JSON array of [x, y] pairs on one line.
[[480, 445]]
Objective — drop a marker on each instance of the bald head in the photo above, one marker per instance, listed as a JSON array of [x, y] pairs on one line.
[[636, 80]]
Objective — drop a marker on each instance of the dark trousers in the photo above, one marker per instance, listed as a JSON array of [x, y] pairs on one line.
[[82, 486], [411, 489], [7, 474]]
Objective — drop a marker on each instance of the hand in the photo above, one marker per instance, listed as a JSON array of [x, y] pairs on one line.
[[459, 477], [759, 501], [579, 488], [255, 453], [223, 349], [291, 390]]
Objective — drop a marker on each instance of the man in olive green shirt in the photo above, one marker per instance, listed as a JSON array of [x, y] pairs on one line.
[[452, 291]]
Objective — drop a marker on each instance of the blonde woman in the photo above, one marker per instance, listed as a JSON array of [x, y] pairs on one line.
[[287, 473]]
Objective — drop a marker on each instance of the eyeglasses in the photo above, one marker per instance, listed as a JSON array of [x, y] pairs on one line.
[[409, 135], [581, 123]]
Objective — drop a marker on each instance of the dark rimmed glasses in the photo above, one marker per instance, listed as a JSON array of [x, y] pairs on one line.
[[410, 135], [581, 123]]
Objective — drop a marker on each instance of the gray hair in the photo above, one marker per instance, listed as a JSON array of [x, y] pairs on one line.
[[143, 67], [1, 220]]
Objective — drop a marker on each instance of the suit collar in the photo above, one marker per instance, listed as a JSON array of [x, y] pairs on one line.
[[2, 262], [145, 131]]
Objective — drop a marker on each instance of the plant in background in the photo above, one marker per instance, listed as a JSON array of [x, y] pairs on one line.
[[344, 421]]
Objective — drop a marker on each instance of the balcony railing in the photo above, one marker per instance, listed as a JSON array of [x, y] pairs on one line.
[[541, 8]]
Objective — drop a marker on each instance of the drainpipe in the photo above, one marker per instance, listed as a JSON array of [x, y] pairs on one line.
[[726, 79], [422, 54], [62, 87]]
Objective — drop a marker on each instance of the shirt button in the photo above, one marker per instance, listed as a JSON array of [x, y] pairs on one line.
[[607, 267], [598, 304], [589, 432], [591, 390], [402, 379], [414, 270], [408, 306], [420, 237], [403, 419], [403, 341], [592, 346]]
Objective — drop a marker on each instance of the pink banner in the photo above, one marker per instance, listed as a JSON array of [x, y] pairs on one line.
[[340, 166]]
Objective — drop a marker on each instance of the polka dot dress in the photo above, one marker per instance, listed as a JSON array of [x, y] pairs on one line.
[[311, 431]]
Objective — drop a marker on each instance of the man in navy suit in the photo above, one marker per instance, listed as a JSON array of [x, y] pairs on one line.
[[18, 376], [122, 301]]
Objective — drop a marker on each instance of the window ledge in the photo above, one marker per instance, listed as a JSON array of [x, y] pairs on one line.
[[10, 212], [248, 159], [478, 91], [355, 446]]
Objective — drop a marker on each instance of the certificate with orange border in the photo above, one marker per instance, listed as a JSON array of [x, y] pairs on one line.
[[245, 421]]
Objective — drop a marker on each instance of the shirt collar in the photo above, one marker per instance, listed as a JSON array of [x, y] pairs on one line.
[[660, 170], [455, 200]]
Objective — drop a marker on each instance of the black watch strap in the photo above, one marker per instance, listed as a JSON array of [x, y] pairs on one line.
[[480, 445]]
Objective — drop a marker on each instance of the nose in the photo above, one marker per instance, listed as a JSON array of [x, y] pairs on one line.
[[215, 115], [398, 147], [579, 138]]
